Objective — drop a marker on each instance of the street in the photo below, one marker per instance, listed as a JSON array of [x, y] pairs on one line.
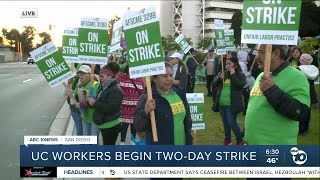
[[27, 107]]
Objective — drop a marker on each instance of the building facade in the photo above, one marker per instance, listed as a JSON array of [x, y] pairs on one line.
[[194, 18]]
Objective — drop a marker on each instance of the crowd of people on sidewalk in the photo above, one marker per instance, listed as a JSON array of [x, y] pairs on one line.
[[276, 106]]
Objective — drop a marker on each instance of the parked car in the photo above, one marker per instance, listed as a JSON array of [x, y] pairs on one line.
[[30, 60]]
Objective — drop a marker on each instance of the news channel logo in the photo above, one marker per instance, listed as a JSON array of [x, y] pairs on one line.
[[28, 13], [298, 156]]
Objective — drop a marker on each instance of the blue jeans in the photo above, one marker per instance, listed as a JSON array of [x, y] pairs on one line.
[[90, 129], [76, 116], [229, 120]]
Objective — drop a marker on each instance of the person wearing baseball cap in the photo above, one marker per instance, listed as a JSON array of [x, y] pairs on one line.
[[83, 91], [180, 71]]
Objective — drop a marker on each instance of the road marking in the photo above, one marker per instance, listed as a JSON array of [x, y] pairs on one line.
[[26, 80]]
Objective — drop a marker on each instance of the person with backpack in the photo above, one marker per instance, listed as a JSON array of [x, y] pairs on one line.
[[132, 89], [192, 65], [180, 71]]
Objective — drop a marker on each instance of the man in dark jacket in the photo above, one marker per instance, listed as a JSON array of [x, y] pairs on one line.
[[276, 104]]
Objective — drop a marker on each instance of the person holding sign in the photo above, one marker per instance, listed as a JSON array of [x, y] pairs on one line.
[[180, 71], [229, 98], [107, 104], [192, 65], [82, 91], [171, 109], [276, 106]]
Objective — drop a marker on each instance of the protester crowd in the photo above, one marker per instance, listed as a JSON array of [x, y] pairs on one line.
[[276, 106]]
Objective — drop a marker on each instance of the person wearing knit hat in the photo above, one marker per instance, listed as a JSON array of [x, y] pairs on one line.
[[305, 59], [311, 72], [107, 104]]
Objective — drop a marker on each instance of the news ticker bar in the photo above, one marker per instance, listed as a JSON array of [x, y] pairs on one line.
[[171, 172]]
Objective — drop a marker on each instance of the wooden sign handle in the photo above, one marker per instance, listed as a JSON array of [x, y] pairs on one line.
[[194, 137], [92, 81], [222, 68], [267, 60], [153, 120]]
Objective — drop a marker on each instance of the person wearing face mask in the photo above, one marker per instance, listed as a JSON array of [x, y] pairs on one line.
[[229, 98], [171, 110], [107, 104]]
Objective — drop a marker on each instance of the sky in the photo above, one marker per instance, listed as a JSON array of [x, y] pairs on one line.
[[62, 14]]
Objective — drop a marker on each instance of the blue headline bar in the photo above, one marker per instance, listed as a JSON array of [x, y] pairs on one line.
[[168, 156]]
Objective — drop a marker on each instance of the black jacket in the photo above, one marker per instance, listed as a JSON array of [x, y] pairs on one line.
[[164, 119], [238, 81], [284, 103], [107, 106]]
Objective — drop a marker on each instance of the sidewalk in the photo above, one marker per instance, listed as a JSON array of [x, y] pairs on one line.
[[63, 125]]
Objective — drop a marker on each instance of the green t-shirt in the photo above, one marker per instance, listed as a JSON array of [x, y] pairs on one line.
[[263, 124], [179, 113], [294, 63], [225, 96], [88, 113]]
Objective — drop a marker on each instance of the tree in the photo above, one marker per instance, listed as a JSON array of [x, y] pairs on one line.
[[309, 19], [45, 38], [204, 43], [111, 23], [169, 44], [27, 38], [236, 21], [12, 36], [308, 45]]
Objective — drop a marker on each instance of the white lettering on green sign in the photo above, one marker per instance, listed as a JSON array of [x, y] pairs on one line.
[[144, 52], [54, 68], [269, 15], [93, 47], [71, 50]]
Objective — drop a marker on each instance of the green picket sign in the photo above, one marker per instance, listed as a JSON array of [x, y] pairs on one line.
[[143, 41], [51, 64], [93, 41], [116, 36], [229, 39], [220, 39], [271, 21], [69, 45], [183, 44], [196, 104]]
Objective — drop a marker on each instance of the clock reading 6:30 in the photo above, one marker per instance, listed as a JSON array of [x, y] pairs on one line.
[[272, 151]]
